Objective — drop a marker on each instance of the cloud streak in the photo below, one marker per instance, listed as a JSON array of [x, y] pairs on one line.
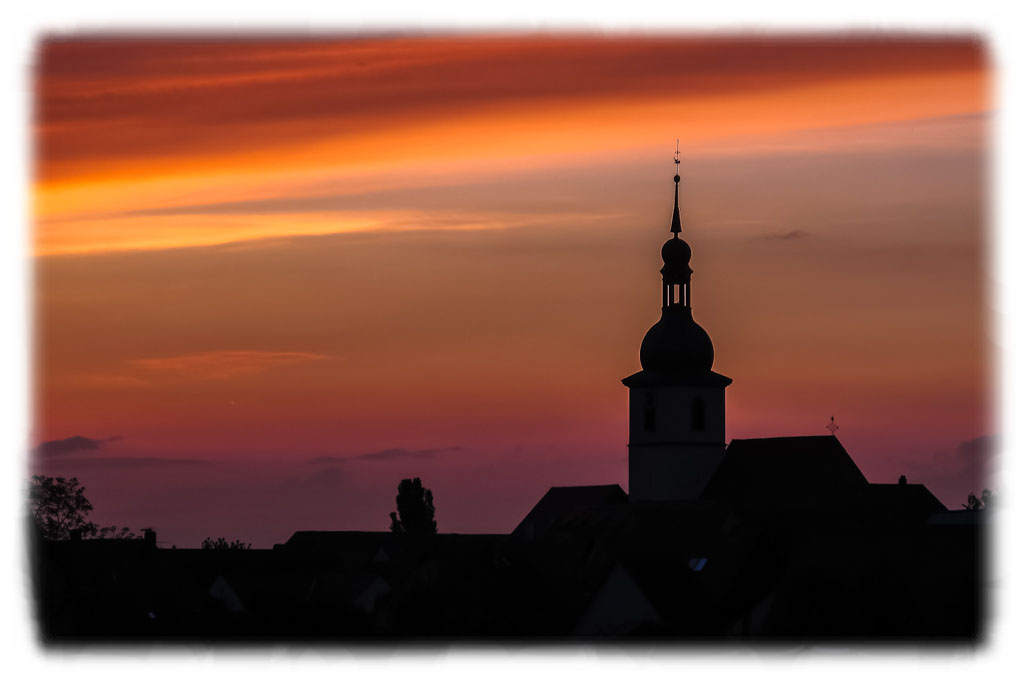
[[252, 135], [224, 90], [135, 462], [967, 468], [214, 365], [71, 444], [407, 454], [786, 236], [390, 454]]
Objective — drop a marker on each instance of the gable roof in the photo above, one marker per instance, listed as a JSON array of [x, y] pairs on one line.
[[339, 541], [560, 501], [794, 472], [637, 526], [909, 501]]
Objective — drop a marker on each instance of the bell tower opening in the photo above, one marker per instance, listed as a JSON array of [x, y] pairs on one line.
[[650, 412], [697, 414]]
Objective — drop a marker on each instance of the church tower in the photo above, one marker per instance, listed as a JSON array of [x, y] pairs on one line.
[[676, 403]]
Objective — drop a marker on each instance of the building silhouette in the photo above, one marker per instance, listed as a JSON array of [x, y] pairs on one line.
[[776, 539], [676, 402]]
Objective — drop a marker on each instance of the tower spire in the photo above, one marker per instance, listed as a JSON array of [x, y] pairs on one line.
[[677, 226], [676, 402]]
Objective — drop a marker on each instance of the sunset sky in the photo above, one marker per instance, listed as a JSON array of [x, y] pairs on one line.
[[274, 277]]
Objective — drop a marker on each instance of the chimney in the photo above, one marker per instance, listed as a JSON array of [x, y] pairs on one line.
[[903, 480], [150, 537]]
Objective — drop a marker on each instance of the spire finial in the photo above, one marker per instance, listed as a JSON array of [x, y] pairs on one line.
[[832, 426], [676, 224]]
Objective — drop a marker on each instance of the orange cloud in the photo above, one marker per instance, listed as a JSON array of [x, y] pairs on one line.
[[128, 125]]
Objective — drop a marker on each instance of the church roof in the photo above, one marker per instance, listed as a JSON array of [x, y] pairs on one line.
[[559, 501], [339, 541], [910, 501], [380, 545], [796, 473], [657, 378]]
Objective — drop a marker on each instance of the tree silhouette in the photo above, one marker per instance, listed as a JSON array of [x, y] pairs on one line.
[[59, 506], [987, 500], [415, 514], [222, 544]]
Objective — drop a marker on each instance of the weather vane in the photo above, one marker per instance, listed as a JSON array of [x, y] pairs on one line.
[[832, 426], [676, 157]]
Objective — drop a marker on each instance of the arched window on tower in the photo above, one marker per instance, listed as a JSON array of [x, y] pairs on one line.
[[698, 415], [649, 412]]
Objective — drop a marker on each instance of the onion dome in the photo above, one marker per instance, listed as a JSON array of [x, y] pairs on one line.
[[676, 255], [676, 344]]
